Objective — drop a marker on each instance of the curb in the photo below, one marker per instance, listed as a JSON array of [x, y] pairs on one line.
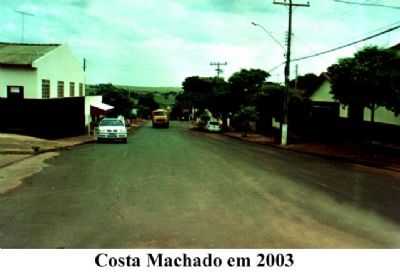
[[44, 150], [328, 157], [17, 152], [32, 153], [16, 161], [67, 147]]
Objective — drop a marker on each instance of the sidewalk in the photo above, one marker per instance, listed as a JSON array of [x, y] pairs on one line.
[[21, 156], [18, 148], [344, 152], [13, 144]]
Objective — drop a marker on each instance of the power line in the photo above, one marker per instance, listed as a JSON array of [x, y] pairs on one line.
[[383, 27], [367, 4], [276, 67], [338, 48], [348, 44]]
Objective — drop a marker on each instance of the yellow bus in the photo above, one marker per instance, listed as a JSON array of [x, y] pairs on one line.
[[160, 118]]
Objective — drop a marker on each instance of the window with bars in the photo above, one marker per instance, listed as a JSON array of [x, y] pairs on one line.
[[72, 89], [45, 88], [80, 89], [60, 89]]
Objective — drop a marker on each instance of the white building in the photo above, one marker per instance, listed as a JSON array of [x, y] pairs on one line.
[[40, 71], [381, 115], [42, 89]]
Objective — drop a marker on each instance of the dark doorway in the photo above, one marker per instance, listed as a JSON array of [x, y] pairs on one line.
[[356, 114], [324, 120], [15, 92]]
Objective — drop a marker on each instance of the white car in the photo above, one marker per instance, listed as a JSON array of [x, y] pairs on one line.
[[112, 129], [213, 126]]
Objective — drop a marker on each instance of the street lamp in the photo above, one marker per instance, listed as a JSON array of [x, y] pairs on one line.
[[284, 127], [269, 34]]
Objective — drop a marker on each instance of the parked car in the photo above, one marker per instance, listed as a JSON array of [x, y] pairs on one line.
[[213, 126], [112, 129], [160, 118], [120, 117]]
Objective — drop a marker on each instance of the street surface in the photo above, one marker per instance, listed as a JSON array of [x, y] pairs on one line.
[[177, 188]]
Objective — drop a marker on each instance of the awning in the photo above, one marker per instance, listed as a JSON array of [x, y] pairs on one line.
[[102, 106], [98, 108]]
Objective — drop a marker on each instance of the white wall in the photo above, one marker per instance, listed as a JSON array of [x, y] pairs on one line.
[[323, 94], [89, 100], [382, 115], [344, 111], [18, 77], [60, 65]]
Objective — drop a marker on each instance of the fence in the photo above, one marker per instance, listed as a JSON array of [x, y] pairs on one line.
[[47, 118]]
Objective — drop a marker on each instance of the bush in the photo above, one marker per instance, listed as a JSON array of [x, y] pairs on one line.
[[244, 116]]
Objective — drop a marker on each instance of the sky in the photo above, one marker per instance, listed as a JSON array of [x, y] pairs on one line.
[[161, 42]]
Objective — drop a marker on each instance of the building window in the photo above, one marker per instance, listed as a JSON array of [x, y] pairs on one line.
[[60, 88], [45, 88], [80, 89], [72, 89]]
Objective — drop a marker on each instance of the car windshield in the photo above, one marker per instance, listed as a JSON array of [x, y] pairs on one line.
[[111, 122], [159, 113], [214, 123]]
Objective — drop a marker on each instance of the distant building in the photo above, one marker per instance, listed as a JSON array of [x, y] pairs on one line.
[[39, 71]]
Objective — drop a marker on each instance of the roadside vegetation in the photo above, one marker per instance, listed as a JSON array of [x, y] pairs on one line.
[[247, 96], [133, 102], [370, 79]]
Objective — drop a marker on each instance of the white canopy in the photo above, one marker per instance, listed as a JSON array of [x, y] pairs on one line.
[[101, 106]]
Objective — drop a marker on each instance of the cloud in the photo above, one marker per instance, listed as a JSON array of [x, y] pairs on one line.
[[157, 42], [79, 3], [228, 6]]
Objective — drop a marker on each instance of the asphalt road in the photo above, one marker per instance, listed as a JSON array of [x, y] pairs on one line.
[[176, 188]]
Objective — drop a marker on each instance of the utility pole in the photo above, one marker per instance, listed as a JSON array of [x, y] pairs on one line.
[[23, 14], [284, 123], [219, 64]]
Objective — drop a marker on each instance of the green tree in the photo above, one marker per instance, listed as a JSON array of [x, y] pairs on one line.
[[270, 100], [367, 80], [146, 104], [308, 83], [245, 85], [204, 93], [198, 91], [244, 116], [219, 96], [116, 97]]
